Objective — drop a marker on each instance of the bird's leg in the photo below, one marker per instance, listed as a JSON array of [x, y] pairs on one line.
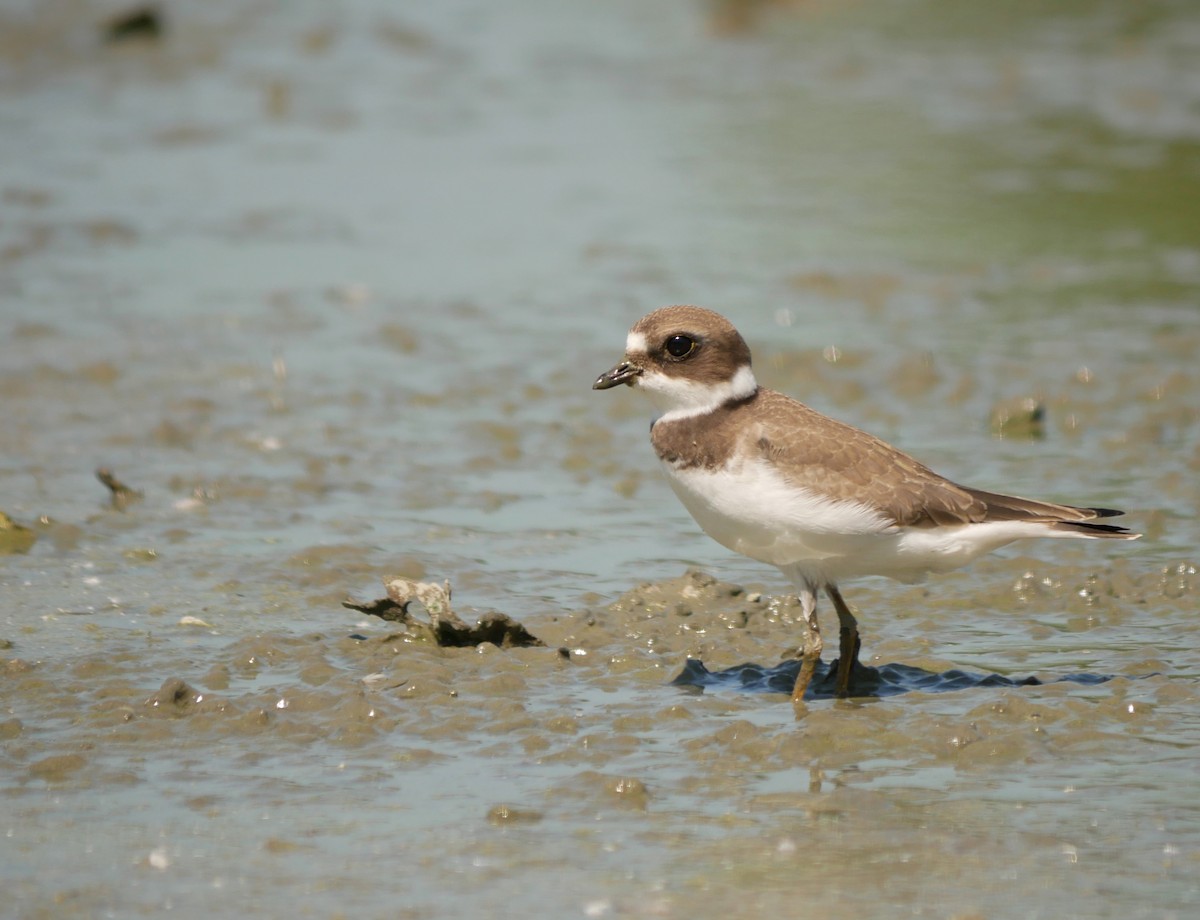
[[848, 644], [811, 652]]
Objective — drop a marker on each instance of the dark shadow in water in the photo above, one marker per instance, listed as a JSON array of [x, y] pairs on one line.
[[888, 680]]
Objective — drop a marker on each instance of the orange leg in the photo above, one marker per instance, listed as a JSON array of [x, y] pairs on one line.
[[811, 653]]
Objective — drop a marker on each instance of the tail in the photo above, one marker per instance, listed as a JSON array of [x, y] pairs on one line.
[[1061, 518]]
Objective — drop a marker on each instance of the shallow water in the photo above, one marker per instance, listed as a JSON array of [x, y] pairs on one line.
[[330, 290]]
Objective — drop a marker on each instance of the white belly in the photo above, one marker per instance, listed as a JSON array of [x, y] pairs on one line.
[[751, 510]]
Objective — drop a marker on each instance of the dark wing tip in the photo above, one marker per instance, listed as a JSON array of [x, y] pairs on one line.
[[1111, 531]]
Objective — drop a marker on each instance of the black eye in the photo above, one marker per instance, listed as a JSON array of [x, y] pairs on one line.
[[680, 346]]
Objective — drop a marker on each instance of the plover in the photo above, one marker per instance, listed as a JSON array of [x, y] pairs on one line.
[[772, 479]]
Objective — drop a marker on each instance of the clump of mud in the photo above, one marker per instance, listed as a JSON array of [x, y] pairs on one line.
[[15, 538], [445, 627], [120, 495]]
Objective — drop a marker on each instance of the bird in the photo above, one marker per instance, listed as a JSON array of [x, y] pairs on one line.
[[775, 480]]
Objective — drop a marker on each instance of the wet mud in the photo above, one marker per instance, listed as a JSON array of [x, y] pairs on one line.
[[625, 733], [321, 295]]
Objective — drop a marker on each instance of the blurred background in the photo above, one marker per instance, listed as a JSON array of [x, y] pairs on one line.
[[400, 240]]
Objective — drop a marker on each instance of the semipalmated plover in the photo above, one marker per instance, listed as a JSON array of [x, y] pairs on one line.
[[768, 477]]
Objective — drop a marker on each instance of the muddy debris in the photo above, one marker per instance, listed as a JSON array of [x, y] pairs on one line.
[[175, 697], [507, 814], [140, 23], [121, 495], [1022, 419], [445, 627], [15, 539]]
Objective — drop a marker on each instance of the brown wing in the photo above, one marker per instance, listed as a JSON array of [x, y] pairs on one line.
[[843, 462]]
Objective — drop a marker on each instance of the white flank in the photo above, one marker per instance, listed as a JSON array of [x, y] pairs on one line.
[[679, 397], [918, 550], [751, 509]]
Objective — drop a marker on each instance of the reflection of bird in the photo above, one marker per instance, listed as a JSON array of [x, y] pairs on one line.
[[772, 479]]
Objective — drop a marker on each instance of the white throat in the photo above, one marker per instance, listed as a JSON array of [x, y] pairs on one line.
[[678, 397]]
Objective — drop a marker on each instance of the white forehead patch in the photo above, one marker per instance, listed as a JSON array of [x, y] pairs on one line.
[[635, 343]]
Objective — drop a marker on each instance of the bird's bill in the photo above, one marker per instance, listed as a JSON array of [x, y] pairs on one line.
[[626, 372]]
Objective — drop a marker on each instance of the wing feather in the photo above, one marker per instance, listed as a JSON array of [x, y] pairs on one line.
[[845, 463]]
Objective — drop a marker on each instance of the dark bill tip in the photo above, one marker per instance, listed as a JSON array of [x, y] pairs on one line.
[[625, 372]]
